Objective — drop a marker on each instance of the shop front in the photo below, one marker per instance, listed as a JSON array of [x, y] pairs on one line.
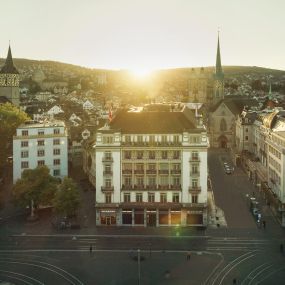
[[107, 217]]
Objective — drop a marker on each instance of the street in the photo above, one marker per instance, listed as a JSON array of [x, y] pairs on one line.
[[241, 252]]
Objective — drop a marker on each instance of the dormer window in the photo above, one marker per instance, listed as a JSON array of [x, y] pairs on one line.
[[107, 139]]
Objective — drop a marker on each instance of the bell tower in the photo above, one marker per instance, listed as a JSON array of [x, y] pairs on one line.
[[9, 80]]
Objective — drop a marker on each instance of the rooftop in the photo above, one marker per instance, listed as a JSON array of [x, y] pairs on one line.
[[41, 124]]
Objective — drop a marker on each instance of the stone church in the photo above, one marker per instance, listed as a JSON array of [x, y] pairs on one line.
[[9, 81]]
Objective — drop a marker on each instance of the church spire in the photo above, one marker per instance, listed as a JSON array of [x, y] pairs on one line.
[[9, 65], [218, 58]]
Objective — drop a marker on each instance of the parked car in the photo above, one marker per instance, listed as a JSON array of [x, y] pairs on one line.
[[228, 170]]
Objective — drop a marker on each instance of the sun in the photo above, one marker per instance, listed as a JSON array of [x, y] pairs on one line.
[[141, 72]]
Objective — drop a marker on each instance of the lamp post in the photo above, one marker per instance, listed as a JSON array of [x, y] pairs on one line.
[[139, 267]]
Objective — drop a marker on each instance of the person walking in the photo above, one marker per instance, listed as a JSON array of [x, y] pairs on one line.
[[264, 224], [90, 249], [281, 248]]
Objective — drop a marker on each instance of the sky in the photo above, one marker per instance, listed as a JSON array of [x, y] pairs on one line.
[[145, 34]]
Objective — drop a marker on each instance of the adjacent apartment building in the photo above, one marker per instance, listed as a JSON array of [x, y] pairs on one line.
[[150, 169], [261, 138], [40, 143]]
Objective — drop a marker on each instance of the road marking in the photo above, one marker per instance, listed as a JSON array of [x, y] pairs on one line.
[[23, 275]]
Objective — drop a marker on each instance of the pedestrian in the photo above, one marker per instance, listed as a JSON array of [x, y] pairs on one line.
[[281, 248], [234, 281], [264, 224], [90, 249], [188, 255]]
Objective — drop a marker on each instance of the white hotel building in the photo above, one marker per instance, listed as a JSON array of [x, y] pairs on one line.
[[150, 169], [38, 144]]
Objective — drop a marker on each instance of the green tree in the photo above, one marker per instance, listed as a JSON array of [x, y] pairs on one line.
[[67, 198], [36, 187], [10, 118]]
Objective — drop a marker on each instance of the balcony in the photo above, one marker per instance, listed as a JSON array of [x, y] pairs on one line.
[[176, 171], [194, 159], [107, 159], [164, 157], [107, 188], [194, 189], [139, 171], [139, 187], [194, 173], [127, 157], [151, 171], [107, 172], [127, 171], [127, 187], [151, 157], [176, 157], [140, 157], [163, 171]]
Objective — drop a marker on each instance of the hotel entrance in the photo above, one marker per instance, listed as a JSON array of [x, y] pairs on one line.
[[107, 217]]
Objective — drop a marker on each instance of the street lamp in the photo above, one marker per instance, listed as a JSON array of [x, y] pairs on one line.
[[139, 267]]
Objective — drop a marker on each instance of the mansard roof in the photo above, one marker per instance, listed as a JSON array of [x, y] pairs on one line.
[[9, 65], [152, 122]]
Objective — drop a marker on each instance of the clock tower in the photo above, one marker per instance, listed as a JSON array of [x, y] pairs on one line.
[[9, 80]]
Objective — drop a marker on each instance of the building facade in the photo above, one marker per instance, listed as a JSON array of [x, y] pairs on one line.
[[9, 80], [261, 144], [37, 144], [150, 169]]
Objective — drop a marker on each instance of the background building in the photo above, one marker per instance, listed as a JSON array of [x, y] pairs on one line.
[[38, 144]]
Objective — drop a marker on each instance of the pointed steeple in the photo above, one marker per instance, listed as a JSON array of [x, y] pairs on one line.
[[270, 92], [219, 70], [9, 65]]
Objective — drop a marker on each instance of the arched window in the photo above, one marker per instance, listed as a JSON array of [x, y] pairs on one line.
[[223, 125]]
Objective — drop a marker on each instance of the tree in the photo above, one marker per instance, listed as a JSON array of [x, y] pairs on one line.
[[67, 198], [36, 187], [10, 118]]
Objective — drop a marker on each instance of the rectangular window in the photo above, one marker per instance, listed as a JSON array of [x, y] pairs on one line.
[[139, 154], [139, 166], [108, 155], [128, 181], [56, 131], [41, 132], [152, 139], [108, 183], [164, 139], [195, 169], [140, 181], [151, 167], [56, 141], [107, 139], [194, 183], [246, 138], [108, 198], [140, 139], [152, 181], [176, 154], [151, 154], [195, 155], [163, 198], [41, 142], [194, 199], [56, 151], [41, 152], [24, 164], [127, 154], [176, 181], [139, 197], [56, 172], [24, 143], [41, 162], [176, 166], [25, 133], [164, 154], [151, 197], [127, 197], [24, 154], [56, 162], [176, 139], [128, 139], [175, 197]]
